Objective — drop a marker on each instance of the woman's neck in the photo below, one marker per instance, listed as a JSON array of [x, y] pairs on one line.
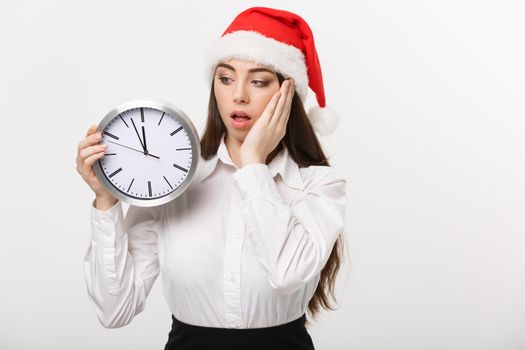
[[234, 147]]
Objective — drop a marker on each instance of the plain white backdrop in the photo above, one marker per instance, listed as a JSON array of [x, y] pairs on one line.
[[432, 100]]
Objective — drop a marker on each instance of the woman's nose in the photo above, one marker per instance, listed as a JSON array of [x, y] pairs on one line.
[[240, 94]]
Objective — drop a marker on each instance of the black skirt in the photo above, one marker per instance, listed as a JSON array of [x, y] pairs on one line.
[[289, 336]]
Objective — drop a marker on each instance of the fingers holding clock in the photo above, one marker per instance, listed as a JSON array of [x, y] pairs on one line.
[[92, 137], [89, 146], [89, 151], [91, 130], [87, 164]]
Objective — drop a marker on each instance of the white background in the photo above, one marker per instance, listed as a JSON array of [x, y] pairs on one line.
[[432, 99]]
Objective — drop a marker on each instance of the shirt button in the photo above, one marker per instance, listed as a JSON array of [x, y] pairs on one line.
[[105, 220], [232, 279]]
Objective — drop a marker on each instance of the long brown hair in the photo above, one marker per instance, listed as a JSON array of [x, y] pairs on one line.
[[305, 149]]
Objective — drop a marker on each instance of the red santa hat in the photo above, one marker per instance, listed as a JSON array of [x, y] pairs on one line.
[[285, 42]]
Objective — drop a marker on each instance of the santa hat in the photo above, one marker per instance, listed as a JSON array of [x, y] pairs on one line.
[[285, 42]]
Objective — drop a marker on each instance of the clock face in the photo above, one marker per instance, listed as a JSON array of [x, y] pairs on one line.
[[149, 154]]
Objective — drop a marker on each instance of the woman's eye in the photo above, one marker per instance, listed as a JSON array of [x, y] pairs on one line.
[[260, 82]]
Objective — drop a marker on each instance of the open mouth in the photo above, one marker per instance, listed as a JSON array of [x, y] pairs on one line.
[[240, 120], [239, 116]]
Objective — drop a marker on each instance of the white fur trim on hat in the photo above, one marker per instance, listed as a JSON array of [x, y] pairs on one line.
[[285, 59], [324, 120]]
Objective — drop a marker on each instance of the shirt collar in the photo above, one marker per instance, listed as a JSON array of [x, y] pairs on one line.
[[282, 164]]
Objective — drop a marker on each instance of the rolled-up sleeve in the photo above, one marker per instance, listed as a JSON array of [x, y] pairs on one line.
[[121, 263], [292, 242]]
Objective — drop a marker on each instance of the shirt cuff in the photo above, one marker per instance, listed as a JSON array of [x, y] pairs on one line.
[[106, 225], [256, 179]]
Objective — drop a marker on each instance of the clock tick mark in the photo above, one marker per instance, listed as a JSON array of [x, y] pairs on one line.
[[111, 135], [176, 131], [181, 168], [116, 172], [130, 184], [167, 182]]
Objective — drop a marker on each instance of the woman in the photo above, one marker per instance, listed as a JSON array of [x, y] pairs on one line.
[[243, 252]]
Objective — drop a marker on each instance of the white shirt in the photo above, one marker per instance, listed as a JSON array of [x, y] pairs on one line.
[[240, 248]]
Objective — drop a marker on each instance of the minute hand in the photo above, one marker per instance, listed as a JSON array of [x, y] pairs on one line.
[[136, 131]]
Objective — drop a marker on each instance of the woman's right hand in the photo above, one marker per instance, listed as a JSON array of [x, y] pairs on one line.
[[89, 151]]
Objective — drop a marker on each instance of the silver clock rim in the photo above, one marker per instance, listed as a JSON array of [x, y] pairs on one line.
[[186, 122]]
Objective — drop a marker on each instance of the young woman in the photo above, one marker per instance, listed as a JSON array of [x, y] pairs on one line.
[[256, 240]]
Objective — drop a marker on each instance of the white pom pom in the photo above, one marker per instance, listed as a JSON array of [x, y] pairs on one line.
[[324, 120]]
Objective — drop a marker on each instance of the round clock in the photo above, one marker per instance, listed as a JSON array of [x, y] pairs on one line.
[[152, 152]]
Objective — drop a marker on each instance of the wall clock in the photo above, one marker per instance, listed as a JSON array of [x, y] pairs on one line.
[[152, 153]]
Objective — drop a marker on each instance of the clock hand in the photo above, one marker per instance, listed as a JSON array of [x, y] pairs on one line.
[[144, 138], [149, 154], [144, 148]]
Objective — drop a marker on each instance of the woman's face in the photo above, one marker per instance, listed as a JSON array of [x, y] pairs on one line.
[[243, 88]]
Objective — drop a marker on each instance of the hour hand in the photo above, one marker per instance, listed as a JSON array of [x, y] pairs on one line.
[[137, 132], [144, 139]]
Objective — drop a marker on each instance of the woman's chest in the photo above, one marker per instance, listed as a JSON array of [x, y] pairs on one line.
[[204, 237]]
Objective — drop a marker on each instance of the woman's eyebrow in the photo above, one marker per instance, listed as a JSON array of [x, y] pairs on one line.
[[253, 70]]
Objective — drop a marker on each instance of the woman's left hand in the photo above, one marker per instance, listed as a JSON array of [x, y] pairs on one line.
[[270, 128]]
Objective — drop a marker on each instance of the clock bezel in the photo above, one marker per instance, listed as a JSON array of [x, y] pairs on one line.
[[187, 124]]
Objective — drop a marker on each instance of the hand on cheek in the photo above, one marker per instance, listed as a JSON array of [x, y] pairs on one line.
[[270, 128]]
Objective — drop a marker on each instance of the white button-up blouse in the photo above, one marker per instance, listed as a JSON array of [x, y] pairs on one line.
[[240, 248]]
